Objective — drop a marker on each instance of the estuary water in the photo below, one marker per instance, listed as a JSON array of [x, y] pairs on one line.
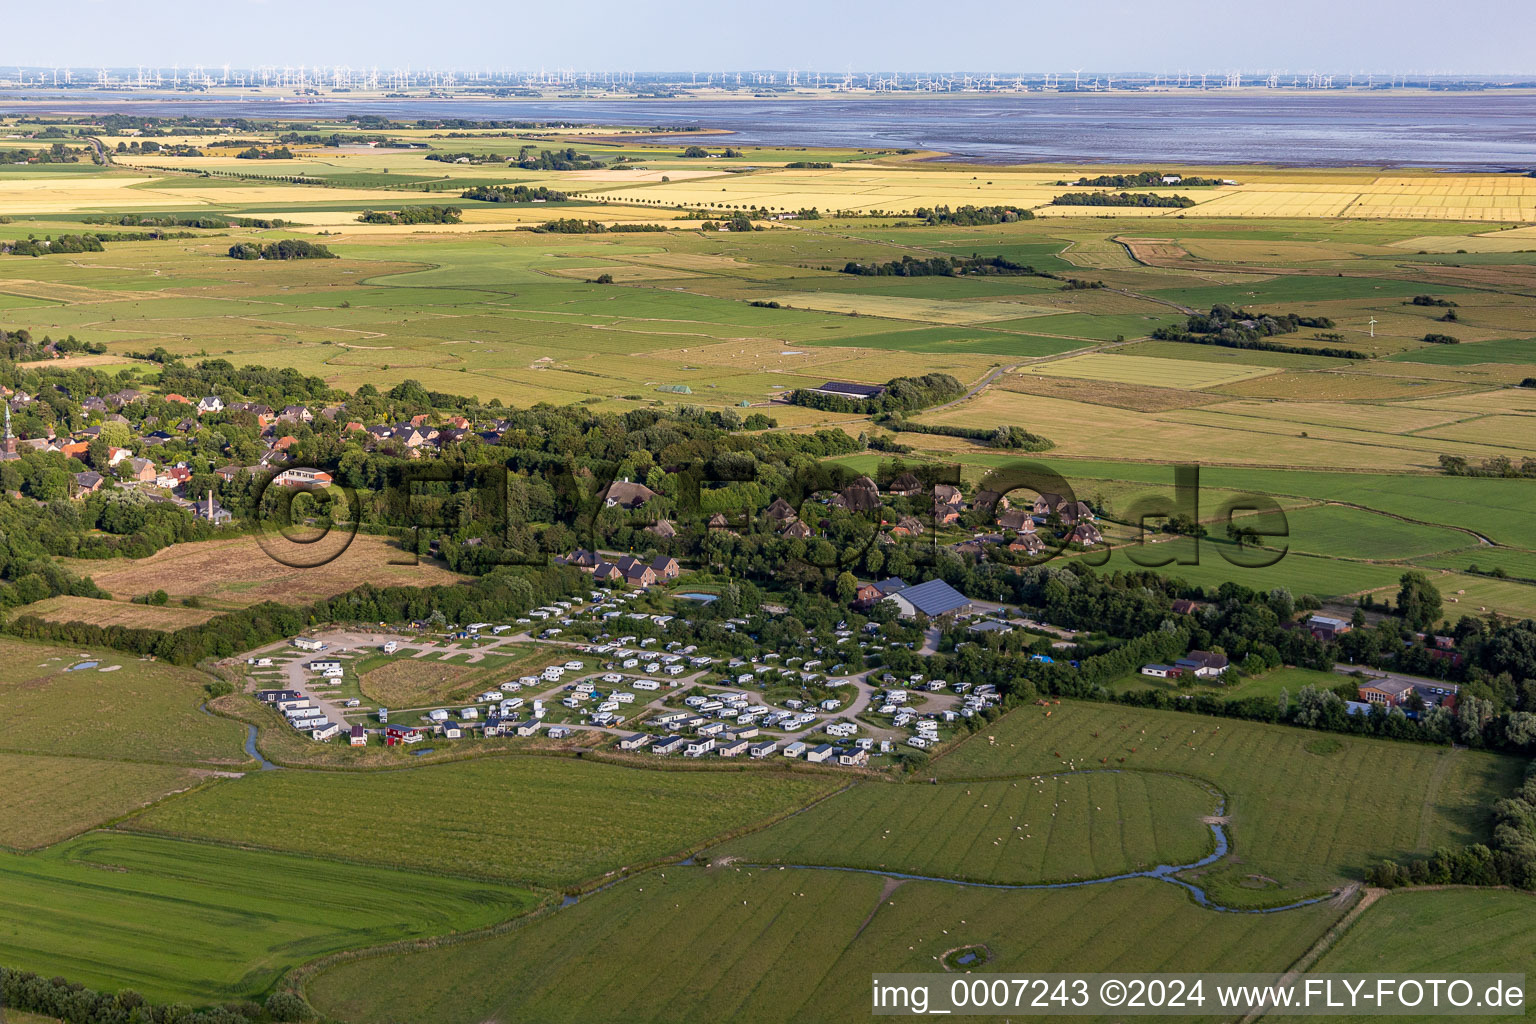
[[1464, 130]]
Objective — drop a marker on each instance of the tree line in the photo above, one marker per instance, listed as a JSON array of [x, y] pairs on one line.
[[1143, 199], [513, 194], [413, 215]]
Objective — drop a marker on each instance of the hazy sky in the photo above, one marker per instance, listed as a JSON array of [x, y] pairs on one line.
[[1003, 35]]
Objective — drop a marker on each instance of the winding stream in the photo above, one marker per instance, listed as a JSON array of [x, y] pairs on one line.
[[1163, 872], [250, 742]]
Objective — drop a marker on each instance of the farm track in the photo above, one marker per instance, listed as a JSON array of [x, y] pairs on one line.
[[1326, 942]]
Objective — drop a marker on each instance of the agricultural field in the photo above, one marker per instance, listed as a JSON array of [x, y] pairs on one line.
[[237, 572], [168, 617], [198, 923], [536, 820], [729, 937], [1411, 932], [1300, 823], [55, 700], [47, 799], [1054, 828], [1155, 373], [141, 847]]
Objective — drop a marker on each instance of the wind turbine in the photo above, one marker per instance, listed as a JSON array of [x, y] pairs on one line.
[[1373, 327], [1077, 77]]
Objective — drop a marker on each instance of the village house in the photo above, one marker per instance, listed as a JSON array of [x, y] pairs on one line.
[[1086, 534], [907, 485], [635, 572], [210, 403], [1202, 664], [780, 511], [795, 529], [625, 494]]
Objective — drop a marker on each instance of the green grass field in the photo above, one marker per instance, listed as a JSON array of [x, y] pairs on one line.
[[1417, 932], [1509, 350], [47, 799], [1057, 828], [137, 711], [199, 923], [780, 945], [543, 821], [1302, 821]]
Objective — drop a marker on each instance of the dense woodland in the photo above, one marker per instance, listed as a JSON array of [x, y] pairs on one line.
[[1227, 327], [902, 394]]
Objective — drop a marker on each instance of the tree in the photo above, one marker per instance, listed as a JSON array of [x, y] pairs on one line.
[[1418, 601], [847, 587]]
